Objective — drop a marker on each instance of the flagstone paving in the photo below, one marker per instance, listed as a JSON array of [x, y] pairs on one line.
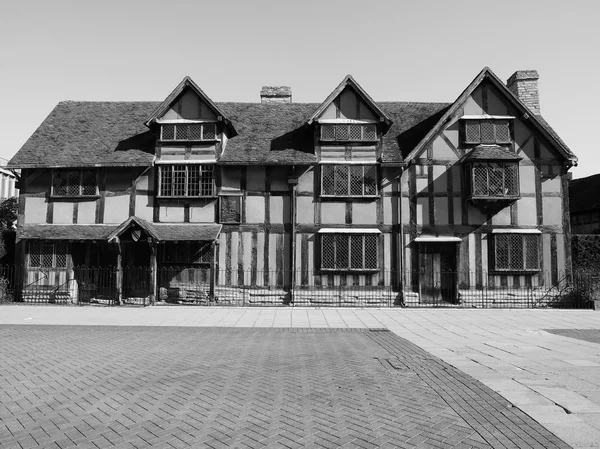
[[173, 387]]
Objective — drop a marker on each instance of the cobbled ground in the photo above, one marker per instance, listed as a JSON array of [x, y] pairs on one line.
[[138, 387]]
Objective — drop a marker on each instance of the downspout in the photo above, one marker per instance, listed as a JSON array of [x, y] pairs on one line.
[[401, 258], [293, 182]]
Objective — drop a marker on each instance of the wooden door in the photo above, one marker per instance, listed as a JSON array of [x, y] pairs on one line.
[[136, 270], [437, 272]]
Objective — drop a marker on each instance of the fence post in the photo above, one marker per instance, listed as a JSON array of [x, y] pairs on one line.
[[213, 247]]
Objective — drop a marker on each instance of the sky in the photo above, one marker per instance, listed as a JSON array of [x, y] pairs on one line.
[[127, 50]]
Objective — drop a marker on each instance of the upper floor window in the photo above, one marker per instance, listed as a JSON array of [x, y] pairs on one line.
[[349, 252], [487, 131], [180, 180], [349, 180], [74, 183], [516, 252], [349, 132], [188, 131], [494, 179]]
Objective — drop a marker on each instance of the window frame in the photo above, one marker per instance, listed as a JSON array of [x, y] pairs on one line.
[[36, 247], [201, 139], [348, 193], [489, 164], [495, 121], [80, 185], [335, 138], [516, 269], [337, 267], [186, 186]]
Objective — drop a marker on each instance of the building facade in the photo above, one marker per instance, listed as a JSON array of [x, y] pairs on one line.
[[279, 202]]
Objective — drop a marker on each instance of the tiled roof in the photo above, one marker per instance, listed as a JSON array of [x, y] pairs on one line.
[[491, 153], [80, 134], [183, 232], [65, 232], [90, 133], [163, 231]]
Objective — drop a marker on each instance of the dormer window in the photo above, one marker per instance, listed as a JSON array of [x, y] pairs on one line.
[[349, 132], [487, 131], [184, 132]]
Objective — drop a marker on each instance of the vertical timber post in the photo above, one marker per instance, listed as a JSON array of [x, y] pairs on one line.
[[153, 269], [293, 182], [119, 271], [213, 255]]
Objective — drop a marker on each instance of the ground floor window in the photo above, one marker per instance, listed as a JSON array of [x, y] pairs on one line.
[[517, 252], [185, 253], [349, 252], [48, 254]]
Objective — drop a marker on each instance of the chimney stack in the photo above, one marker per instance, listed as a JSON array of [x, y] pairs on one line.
[[276, 94], [524, 84]]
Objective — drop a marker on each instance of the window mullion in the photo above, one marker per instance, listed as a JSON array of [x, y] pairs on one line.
[[363, 240], [349, 247], [185, 186], [348, 176]]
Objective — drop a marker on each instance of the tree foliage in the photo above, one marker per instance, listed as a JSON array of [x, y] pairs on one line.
[[8, 212]]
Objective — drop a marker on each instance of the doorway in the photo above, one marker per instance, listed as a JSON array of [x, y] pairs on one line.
[[136, 269], [437, 272]]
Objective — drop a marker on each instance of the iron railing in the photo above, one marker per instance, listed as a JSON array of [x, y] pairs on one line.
[[195, 285]]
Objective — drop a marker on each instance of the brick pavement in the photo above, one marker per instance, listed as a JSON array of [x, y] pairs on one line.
[[134, 387]]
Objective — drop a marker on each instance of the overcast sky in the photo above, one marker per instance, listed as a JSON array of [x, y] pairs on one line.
[[115, 50]]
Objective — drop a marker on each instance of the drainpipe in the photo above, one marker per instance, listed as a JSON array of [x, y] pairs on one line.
[[401, 264], [293, 182]]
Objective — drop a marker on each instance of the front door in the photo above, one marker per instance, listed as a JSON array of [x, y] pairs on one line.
[[437, 272], [136, 270]]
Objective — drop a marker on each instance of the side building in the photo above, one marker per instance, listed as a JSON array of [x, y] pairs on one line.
[[346, 202]]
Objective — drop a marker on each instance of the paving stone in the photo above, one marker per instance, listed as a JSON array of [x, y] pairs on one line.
[[133, 387]]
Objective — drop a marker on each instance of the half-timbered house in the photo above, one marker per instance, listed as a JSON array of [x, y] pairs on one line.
[[349, 201]]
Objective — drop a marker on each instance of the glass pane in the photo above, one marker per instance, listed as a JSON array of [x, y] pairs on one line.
[[195, 131], [371, 251], [207, 180], [472, 131], [168, 132], [501, 252], [516, 252], [511, 179], [59, 183], [181, 132], [327, 251], [356, 180], [47, 255], [502, 131], [166, 180], [327, 177], [209, 131], [480, 180], [355, 132], [356, 251], [340, 179], [496, 180], [487, 132], [370, 180], [34, 254], [179, 174], [73, 182], [88, 182], [341, 252], [193, 180], [369, 132], [60, 250], [327, 132], [341, 132]]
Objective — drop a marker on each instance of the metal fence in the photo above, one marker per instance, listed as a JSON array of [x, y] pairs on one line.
[[192, 285]]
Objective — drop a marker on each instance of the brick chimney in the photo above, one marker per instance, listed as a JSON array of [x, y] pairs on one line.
[[524, 84], [276, 94]]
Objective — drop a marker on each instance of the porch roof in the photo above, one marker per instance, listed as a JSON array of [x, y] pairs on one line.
[[162, 232], [65, 232]]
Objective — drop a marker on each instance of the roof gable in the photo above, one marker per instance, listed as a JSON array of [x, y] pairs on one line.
[[182, 89], [486, 74], [365, 102]]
